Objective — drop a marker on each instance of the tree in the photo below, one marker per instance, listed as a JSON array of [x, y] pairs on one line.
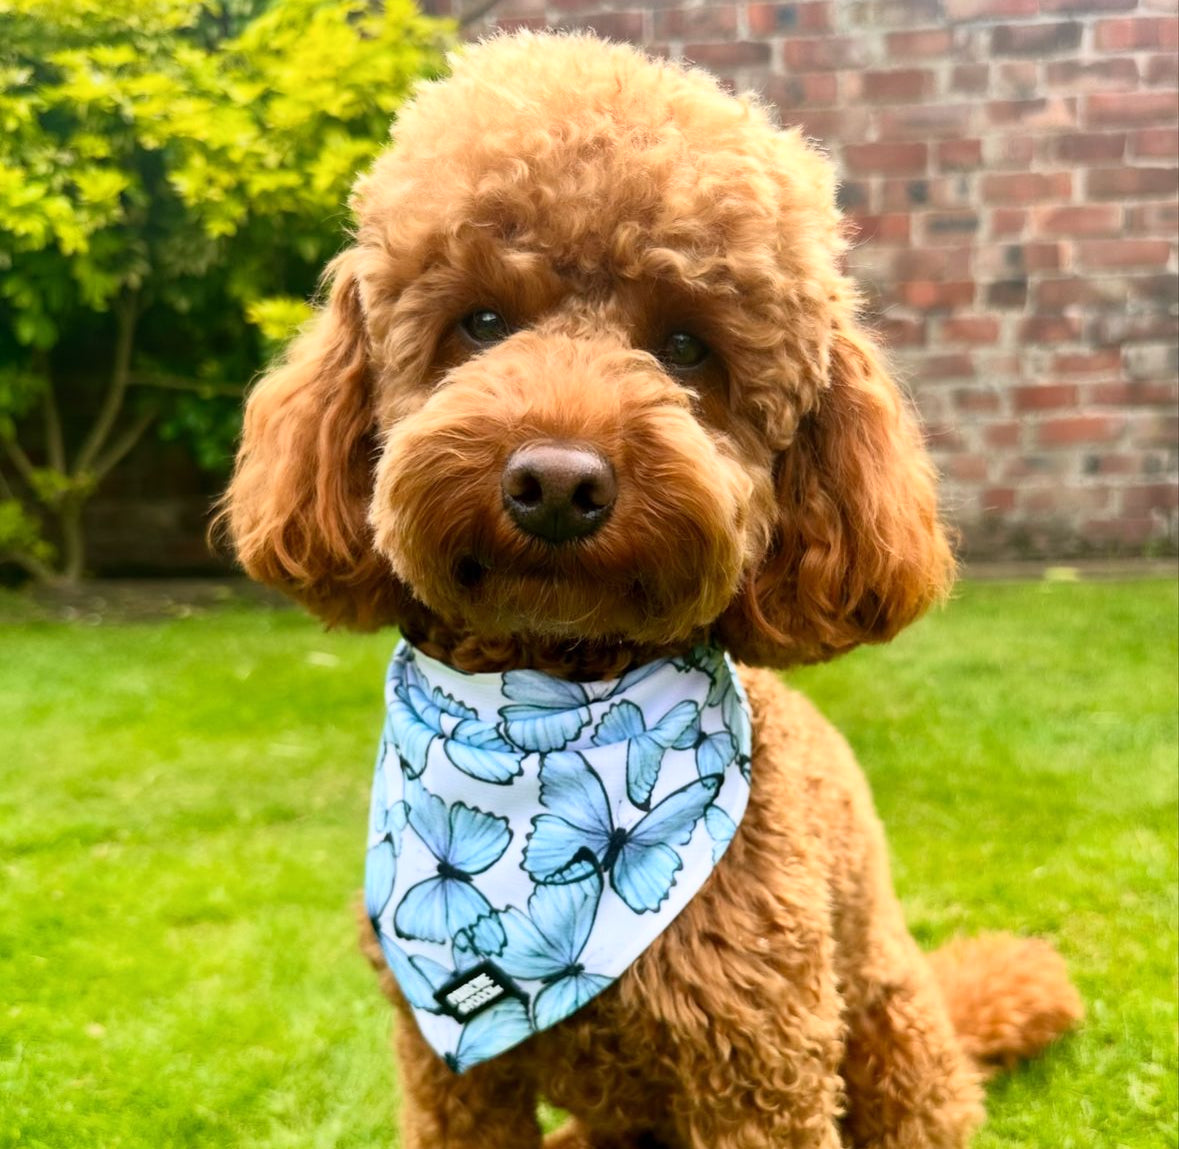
[[172, 174]]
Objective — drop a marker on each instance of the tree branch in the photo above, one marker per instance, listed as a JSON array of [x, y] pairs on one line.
[[120, 448], [22, 463], [125, 314], [54, 440], [35, 567], [179, 383]]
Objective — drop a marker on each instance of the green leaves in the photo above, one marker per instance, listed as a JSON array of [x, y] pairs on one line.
[[197, 156]]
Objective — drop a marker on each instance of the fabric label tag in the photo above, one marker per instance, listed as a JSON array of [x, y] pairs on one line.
[[475, 990]]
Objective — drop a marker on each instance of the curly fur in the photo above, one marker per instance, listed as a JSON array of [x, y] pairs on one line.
[[776, 497]]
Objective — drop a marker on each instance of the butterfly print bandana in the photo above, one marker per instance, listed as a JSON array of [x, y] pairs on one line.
[[530, 837]]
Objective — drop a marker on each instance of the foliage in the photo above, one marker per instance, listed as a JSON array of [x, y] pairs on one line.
[[172, 173], [183, 836]]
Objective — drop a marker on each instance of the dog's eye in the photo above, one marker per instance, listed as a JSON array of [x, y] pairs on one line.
[[486, 326], [682, 351]]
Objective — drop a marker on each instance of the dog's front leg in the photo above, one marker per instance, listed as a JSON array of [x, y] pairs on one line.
[[491, 1106]]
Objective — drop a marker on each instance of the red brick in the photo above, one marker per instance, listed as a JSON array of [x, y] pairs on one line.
[[1087, 7], [1129, 109], [923, 43], [995, 500], [967, 10], [811, 89], [933, 296], [971, 79], [1119, 183], [833, 123], [1133, 393], [1122, 327], [1079, 220], [920, 193], [1091, 147], [1007, 293], [1027, 187], [626, 26], [740, 53], [1017, 80], [927, 120], [970, 329], [1070, 291], [1162, 70], [1051, 329], [1154, 219], [976, 401], [1011, 151], [1046, 397], [610, 25], [892, 158], [1008, 222], [1063, 498], [889, 228], [713, 23], [773, 19], [1150, 33], [959, 155], [1003, 434], [1155, 143], [966, 468], [1152, 497], [901, 84], [897, 332], [1074, 430], [1046, 112], [824, 53], [923, 262], [938, 368], [1096, 254], [1013, 258], [1087, 362], [1035, 39], [1093, 75], [949, 226]]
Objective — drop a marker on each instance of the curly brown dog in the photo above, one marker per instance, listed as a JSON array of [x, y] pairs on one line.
[[590, 390]]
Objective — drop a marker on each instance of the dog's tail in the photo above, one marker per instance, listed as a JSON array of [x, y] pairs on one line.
[[1007, 997]]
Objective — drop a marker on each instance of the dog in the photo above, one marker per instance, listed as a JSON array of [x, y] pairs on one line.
[[590, 400]]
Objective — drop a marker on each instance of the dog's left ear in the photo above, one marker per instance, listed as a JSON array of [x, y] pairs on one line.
[[297, 507], [858, 551]]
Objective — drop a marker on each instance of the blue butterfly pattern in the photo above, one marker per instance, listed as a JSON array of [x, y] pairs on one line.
[[465, 841], [540, 833], [579, 834]]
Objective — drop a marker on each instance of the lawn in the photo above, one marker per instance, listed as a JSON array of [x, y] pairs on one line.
[[182, 813]]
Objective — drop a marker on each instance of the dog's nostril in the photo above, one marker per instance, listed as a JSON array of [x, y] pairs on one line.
[[558, 491], [523, 487]]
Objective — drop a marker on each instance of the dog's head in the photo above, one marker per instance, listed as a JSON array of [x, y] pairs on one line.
[[591, 371]]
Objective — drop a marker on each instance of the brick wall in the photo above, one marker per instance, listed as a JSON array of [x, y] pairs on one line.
[[1012, 165]]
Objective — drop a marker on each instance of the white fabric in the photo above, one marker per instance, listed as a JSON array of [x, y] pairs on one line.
[[530, 836]]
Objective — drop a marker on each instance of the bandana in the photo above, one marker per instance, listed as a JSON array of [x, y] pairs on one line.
[[530, 837]]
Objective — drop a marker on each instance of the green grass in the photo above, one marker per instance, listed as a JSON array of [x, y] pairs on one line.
[[182, 807]]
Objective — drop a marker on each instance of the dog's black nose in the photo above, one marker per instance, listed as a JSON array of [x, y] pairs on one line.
[[558, 491]]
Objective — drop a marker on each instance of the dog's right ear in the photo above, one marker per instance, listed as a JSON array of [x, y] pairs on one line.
[[296, 508]]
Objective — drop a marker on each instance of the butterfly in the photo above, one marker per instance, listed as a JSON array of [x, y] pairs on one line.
[[624, 722], [547, 713], [721, 829], [546, 943], [489, 1033], [465, 841], [714, 753], [578, 835], [385, 825], [417, 715]]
